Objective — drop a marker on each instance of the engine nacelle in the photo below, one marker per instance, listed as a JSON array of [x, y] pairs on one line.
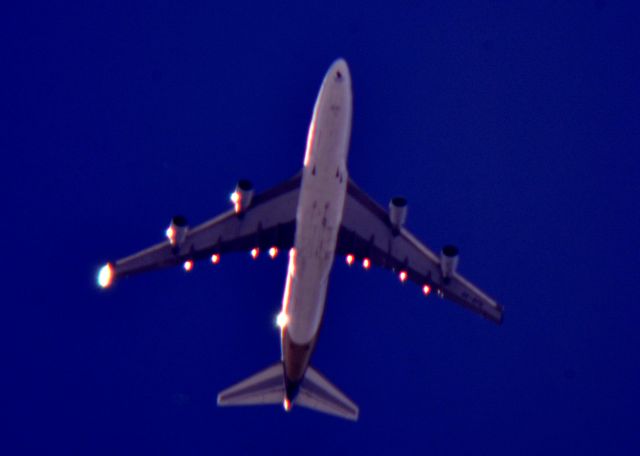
[[242, 196], [397, 211], [448, 260], [177, 231]]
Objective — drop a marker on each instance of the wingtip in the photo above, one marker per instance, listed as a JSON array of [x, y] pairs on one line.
[[106, 275], [501, 317]]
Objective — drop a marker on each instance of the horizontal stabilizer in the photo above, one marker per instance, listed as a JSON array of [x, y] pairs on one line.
[[265, 387], [317, 393]]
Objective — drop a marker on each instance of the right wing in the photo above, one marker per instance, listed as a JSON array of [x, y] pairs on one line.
[[269, 221], [366, 232]]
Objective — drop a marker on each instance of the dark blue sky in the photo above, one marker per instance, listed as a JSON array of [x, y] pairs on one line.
[[513, 130]]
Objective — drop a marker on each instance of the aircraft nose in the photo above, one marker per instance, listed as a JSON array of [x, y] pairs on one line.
[[340, 70]]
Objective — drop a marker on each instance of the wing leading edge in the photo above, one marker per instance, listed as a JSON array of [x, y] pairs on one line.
[[366, 232], [269, 221]]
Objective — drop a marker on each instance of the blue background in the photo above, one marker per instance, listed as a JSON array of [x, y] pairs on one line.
[[513, 130]]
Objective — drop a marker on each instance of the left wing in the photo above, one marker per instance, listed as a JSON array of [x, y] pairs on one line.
[[269, 221], [367, 233]]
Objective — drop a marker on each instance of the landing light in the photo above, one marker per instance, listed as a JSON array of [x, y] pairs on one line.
[[215, 258], [255, 252], [350, 259], [105, 275], [273, 252], [286, 404], [235, 199], [426, 289], [188, 265], [366, 263], [403, 276], [171, 235], [282, 319]]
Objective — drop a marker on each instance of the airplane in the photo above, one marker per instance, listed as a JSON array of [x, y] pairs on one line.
[[316, 215]]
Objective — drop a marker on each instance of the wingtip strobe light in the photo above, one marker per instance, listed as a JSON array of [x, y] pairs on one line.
[[105, 276]]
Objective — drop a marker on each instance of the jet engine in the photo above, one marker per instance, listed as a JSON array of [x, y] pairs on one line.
[[448, 260], [397, 211], [241, 197], [177, 231]]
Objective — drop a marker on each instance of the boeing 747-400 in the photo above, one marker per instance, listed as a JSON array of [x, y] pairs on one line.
[[314, 216]]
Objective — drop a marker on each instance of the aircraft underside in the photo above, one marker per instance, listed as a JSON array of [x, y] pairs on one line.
[[316, 215]]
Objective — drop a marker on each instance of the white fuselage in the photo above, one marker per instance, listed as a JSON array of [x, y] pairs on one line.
[[320, 207]]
